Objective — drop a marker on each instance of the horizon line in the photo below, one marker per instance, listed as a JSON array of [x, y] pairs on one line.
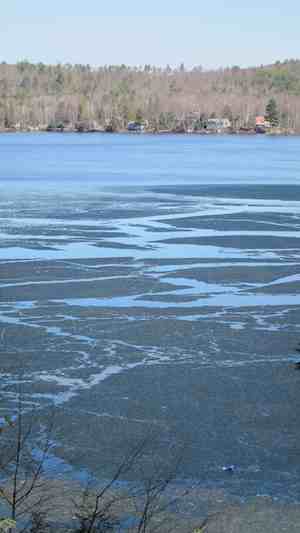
[[173, 68]]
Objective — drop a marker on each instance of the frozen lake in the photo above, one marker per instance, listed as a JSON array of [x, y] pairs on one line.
[[152, 283]]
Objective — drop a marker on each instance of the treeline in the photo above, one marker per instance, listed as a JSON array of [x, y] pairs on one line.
[[38, 95]]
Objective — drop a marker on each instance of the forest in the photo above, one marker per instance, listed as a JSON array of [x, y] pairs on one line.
[[39, 96]]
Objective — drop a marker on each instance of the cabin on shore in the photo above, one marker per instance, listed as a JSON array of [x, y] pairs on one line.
[[218, 125], [136, 127], [261, 124]]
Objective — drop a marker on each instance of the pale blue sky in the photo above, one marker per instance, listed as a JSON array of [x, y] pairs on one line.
[[211, 33]]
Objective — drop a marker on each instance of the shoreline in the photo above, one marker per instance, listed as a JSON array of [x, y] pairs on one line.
[[157, 133], [184, 510]]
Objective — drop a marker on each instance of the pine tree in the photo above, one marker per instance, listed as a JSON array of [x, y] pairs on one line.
[[272, 113]]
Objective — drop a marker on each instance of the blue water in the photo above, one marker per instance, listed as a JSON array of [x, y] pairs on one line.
[[133, 159]]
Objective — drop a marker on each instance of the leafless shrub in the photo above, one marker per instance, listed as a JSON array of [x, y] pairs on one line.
[[23, 488], [28, 498]]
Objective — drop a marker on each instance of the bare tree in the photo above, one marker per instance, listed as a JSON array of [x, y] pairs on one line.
[[154, 497], [96, 511], [149, 501], [22, 458]]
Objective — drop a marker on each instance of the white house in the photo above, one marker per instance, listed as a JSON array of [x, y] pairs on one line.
[[218, 124]]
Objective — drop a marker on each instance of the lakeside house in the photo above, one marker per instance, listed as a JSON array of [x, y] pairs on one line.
[[136, 127], [218, 125], [261, 124]]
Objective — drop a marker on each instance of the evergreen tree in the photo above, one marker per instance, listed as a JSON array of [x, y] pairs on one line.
[[272, 113]]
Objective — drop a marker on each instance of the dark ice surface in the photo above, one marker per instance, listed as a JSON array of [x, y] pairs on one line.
[[171, 309]]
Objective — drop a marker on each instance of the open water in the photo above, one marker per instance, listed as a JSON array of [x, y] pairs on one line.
[[151, 285]]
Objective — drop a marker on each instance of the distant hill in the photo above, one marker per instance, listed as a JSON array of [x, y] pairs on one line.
[[38, 94]]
